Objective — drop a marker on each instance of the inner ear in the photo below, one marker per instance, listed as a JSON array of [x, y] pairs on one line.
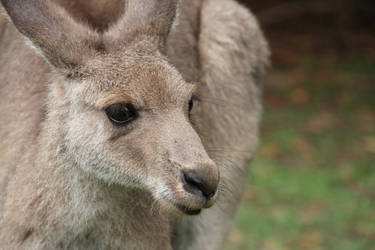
[[99, 14]]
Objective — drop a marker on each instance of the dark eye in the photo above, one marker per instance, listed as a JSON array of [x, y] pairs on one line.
[[121, 114], [191, 102]]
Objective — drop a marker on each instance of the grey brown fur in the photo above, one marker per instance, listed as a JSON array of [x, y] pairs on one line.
[[69, 178]]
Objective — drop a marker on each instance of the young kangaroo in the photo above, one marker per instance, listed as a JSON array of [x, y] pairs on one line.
[[116, 124]]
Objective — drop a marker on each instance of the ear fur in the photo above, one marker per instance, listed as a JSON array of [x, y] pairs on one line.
[[151, 18], [63, 42]]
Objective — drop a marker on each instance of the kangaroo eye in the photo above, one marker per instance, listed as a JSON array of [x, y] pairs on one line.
[[191, 104], [192, 100], [121, 114]]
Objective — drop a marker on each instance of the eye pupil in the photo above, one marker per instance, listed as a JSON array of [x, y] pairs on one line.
[[121, 114], [191, 102]]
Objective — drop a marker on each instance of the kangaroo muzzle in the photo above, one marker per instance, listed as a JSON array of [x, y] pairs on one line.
[[202, 182], [199, 176]]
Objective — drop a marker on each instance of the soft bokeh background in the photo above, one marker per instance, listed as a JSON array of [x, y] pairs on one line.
[[312, 182]]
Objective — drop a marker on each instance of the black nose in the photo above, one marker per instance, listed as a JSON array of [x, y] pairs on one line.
[[199, 182]]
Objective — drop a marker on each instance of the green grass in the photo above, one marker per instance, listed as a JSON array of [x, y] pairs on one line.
[[313, 179]]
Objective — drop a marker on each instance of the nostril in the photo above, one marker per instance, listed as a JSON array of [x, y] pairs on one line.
[[195, 184], [192, 183]]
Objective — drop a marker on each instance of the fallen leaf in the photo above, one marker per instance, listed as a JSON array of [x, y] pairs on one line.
[[270, 150], [321, 122], [310, 240], [249, 195], [235, 236], [312, 212], [369, 144], [300, 96], [304, 147]]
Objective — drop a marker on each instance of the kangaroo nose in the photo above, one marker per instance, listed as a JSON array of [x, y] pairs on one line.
[[200, 182]]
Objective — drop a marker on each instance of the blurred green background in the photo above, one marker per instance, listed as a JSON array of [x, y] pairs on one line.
[[312, 183]]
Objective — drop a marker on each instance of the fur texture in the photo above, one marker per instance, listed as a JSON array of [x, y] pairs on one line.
[[69, 178]]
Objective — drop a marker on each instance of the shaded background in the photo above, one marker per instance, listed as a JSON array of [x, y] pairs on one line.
[[313, 178]]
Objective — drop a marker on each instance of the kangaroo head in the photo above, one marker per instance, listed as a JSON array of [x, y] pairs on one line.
[[123, 109]]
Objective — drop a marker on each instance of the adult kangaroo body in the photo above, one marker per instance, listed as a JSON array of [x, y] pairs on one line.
[[108, 134]]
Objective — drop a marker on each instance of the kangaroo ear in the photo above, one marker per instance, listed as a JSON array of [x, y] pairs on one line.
[[63, 42], [151, 18]]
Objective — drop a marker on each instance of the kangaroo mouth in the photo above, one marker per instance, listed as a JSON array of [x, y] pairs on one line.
[[185, 205], [180, 209], [188, 211]]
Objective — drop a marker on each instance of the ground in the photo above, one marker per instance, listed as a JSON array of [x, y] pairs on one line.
[[312, 183]]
